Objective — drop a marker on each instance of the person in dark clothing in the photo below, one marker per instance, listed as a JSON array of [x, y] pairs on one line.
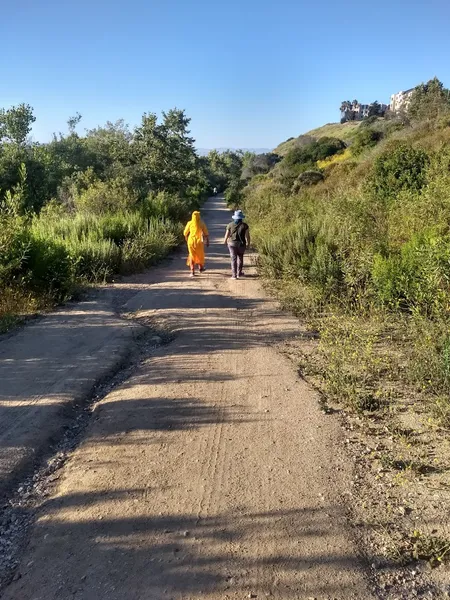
[[237, 237]]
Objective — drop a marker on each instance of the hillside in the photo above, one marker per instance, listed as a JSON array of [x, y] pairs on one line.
[[356, 242], [344, 131]]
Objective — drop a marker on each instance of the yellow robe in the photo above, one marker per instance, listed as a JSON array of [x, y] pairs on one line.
[[194, 233]]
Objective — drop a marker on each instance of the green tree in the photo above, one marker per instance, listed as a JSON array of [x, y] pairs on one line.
[[375, 109], [16, 123], [113, 151], [165, 152], [225, 167], [346, 111], [429, 100], [72, 122]]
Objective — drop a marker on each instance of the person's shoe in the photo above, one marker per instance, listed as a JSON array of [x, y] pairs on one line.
[[192, 274], [237, 276], [202, 269], [233, 277], [242, 274]]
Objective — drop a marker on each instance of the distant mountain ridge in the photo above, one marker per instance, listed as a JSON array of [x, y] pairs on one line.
[[205, 151]]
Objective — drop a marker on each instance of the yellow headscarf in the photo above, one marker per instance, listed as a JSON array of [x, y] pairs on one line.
[[196, 229]]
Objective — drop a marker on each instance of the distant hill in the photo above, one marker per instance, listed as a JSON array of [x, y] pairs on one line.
[[344, 131], [205, 151]]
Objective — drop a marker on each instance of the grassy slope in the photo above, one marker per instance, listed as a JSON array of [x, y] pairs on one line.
[[391, 359], [345, 132]]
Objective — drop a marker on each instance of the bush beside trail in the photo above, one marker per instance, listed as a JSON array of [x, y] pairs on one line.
[[363, 256], [45, 259]]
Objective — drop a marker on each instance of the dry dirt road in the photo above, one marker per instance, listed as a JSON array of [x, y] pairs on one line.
[[210, 473], [47, 367]]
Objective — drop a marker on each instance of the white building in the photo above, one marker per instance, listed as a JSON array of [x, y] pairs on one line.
[[401, 100], [362, 111], [355, 111]]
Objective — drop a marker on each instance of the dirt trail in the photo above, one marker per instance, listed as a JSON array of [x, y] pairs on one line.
[[210, 473], [48, 366]]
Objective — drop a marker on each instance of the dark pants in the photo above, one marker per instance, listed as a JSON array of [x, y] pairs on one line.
[[237, 260]]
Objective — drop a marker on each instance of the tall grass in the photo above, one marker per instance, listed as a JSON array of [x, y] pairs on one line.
[[44, 260], [100, 246], [372, 240]]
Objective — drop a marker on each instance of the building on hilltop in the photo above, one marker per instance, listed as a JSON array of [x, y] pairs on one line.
[[355, 111], [401, 100]]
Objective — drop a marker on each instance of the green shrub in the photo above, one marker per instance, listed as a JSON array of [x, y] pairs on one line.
[[14, 247], [311, 153], [31, 261], [94, 260], [66, 227], [106, 196], [120, 227], [327, 146], [48, 267], [233, 193], [138, 253], [368, 122], [326, 269], [167, 206], [399, 168], [303, 252], [307, 178], [194, 196], [289, 253], [365, 139], [259, 164], [101, 245], [147, 248], [415, 278], [391, 278], [288, 172]]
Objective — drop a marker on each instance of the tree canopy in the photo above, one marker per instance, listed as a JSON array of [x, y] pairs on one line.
[[158, 155], [429, 100]]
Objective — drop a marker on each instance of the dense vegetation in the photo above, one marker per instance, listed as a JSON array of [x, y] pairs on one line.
[[82, 208], [353, 235], [362, 229]]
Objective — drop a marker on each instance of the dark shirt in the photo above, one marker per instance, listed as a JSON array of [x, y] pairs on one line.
[[237, 234]]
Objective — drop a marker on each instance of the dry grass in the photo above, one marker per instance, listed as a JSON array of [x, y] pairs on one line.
[[344, 131], [371, 368], [15, 305]]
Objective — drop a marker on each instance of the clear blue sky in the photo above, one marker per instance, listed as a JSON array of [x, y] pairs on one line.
[[250, 73]]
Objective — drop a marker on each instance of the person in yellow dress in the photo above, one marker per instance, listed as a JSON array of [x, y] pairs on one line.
[[196, 235]]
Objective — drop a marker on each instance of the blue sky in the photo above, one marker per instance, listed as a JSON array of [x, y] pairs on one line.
[[250, 73]]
